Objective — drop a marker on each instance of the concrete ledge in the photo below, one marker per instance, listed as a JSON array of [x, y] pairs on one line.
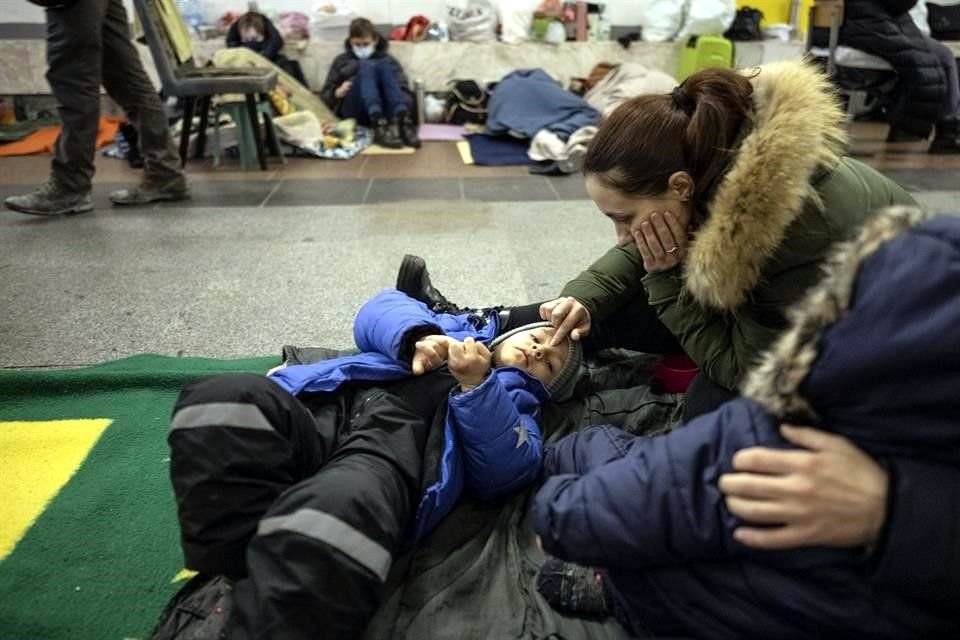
[[23, 62]]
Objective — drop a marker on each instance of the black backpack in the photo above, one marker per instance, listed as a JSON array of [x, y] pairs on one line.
[[467, 103], [746, 25]]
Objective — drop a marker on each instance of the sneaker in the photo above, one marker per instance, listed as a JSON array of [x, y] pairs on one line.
[[199, 611], [409, 131], [50, 199], [385, 134], [573, 589], [153, 190]]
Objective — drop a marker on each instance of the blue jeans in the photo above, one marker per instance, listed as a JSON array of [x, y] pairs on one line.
[[375, 92]]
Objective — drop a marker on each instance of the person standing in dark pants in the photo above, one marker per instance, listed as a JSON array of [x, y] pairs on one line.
[[88, 45]]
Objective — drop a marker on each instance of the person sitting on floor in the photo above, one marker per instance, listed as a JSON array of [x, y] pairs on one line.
[[368, 84], [296, 491], [873, 355], [256, 32]]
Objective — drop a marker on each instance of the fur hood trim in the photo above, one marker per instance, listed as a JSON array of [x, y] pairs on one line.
[[796, 130], [775, 382]]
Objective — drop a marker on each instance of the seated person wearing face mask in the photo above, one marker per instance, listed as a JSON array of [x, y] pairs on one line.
[[255, 31], [368, 84]]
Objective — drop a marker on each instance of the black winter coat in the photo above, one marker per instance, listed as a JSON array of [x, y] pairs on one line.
[[884, 28], [345, 66], [269, 47]]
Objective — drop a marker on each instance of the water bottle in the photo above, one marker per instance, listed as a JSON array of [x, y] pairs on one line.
[[192, 13]]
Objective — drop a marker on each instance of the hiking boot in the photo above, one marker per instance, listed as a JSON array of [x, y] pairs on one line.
[[573, 589], [413, 280], [50, 199], [408, 130], [897, 136], [153, 190], [947, 139], [199, 611], [385, 134]]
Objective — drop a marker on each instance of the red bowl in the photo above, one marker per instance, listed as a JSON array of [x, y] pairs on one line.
[[675, 373]]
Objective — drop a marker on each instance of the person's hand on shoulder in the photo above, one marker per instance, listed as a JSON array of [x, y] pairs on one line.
[[828, 493], [429, 353], [469, 362], [569, 316]]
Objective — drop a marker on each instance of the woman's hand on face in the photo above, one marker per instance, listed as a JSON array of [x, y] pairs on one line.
[[662, 242], [568, 316], [829, 493]]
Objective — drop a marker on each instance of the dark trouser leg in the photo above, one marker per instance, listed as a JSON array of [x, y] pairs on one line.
[[322, 552], [369, 90], [128, 84], [394, 99], [704, 396], [237, 442], [74, 65], [951, 105], [633, 326]]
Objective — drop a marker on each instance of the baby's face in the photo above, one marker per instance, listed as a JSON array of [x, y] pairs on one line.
[[531, 352]]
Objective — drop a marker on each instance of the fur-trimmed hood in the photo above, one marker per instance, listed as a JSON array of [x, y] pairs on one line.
[[795, 131], [878, 340]]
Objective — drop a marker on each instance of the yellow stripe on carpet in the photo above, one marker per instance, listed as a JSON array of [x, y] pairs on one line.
[[37, 459]]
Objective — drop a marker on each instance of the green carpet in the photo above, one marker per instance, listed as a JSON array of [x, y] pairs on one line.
[[99, 556]]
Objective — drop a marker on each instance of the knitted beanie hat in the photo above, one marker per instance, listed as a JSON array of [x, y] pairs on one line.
[[563, 384]]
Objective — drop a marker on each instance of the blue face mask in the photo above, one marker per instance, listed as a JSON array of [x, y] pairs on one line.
[[363, 52]]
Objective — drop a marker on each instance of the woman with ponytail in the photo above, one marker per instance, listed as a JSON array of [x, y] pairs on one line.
[[725, 196]]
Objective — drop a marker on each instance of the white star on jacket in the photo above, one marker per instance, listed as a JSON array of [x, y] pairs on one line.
[[522, 436]]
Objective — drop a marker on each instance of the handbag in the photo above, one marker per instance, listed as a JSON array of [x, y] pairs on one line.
[[467, 103], [746, 25]]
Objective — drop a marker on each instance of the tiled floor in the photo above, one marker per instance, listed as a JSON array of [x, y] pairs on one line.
[[260, 259]]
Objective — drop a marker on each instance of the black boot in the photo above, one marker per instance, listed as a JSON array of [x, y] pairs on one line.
[[947, 140], [413, 280], [408, 130], [201, 609], [385, 134], [895, 136], [573, 589]]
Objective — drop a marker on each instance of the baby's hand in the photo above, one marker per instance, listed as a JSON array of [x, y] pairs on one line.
[[469, 362], [429, 353]]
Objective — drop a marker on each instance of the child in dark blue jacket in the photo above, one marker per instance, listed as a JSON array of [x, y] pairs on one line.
[[873, 354], [300, 488]]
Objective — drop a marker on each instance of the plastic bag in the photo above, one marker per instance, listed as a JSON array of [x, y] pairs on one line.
[[330, 20], [707, 18], [516, 18], [662, 19], [293, 25], [475, 22]]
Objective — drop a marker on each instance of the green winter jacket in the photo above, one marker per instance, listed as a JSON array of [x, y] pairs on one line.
[[787, 196]]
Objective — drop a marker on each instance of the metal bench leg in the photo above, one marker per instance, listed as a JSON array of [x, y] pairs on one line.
[[185, 129], [272, 142], [255, 128], [202, 133]]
